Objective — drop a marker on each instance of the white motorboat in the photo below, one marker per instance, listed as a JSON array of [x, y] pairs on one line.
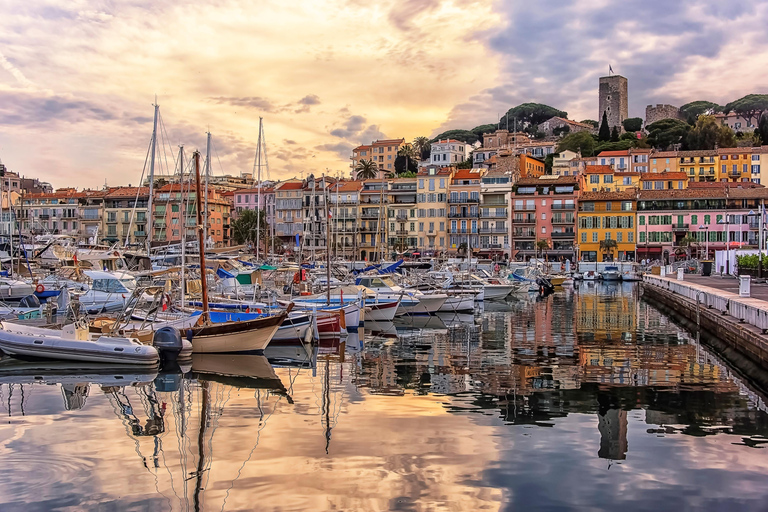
[[491, 291], [97, 291], [412, 302], [611, 273], [380, 311], [12, 290], [73, 343], [590, 275], [458, 301]]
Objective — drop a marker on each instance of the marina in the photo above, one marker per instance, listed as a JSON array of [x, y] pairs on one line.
[[589, 386]]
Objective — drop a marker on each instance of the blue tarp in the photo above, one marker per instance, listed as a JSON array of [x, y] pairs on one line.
[[366, 269], [218, 317], [392, 268], [224, 274]]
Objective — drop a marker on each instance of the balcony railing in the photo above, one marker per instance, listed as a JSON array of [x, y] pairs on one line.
[[402, 232], [563, 220], [563, 234], [563, 206], [462, 231], [139, 233], [493, 230], [401, 216], [524, 234], [494, 215], [680, 227], [369, 215], [466, 200], [465, 215], [524, 220]]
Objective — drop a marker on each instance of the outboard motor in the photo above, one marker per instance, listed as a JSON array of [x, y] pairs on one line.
[[30, 301], [545, 286], [168, 343]]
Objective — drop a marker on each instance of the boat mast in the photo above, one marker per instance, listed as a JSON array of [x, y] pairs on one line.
[[183, 228], [152, 171], [200, 234], [257, 164], [10, 224], [204, 413], [327, 246], [207, 174]]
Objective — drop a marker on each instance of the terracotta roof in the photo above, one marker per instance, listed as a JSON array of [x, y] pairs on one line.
[[573, 123], [705, 193], [361, 147], [468, 174], [609, 196], [598, 169], [290, 185], [129, 192], [664, 154], [653, 176], [264, 190], [707, 152], [448, 141], [548, 180], [736, 151], [387, 141], [347, 186], [442, 171]]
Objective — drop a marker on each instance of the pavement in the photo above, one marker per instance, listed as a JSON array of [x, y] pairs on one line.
[[728, 284]]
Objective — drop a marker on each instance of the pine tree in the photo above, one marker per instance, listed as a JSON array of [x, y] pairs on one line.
[[615, 134], [604, 135], [762, 127]]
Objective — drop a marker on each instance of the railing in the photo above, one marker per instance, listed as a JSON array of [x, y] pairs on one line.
[[680, 227], [563, 234], [466, 215], [495, 215], [406, 188], [111, 220], [524, 234], [490, 246], [459, 200], [462, 231], [139, 233], [524, 220], [525, 208], [493, 230], [563, 206], [401, 216], [369, 215], [401, 232]]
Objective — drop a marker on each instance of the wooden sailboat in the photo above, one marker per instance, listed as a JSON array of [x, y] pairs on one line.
[[226, 337]]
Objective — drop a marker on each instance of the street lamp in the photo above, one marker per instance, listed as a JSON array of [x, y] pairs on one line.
[[727, 245], [706, 241]]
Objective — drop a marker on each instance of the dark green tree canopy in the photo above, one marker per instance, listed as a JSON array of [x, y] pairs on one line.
[[605, 131], [245, 226], [633, 124], [750, 106], [579, 141], [530, 114], [462, 135], [663, 134], [691, 111], [590, 121], [615, 134], [762, 129], [614, 146], [708, 133], [483, 129], [400, 163]]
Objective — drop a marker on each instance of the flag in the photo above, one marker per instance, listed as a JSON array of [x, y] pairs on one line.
[[330, 213], [610, 69]]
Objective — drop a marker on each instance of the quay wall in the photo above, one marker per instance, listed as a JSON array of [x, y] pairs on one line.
[[738, 323]]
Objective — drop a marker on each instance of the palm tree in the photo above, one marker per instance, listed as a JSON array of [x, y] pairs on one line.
[[421, 147], [408, 151], [608, 245], [684, 246], [542, 245], [366, 170]]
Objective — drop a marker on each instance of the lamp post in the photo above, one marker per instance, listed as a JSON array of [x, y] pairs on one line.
[[727, 245], [706, 241]]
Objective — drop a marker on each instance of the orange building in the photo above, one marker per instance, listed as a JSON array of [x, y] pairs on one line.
[[175, 215], [531, 167], [382, 152]]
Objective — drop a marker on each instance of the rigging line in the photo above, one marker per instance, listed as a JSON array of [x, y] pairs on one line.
[[167, 140], [220, 412], [213, 143]]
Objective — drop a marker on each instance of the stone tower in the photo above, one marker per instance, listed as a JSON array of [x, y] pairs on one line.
[[614, 100]]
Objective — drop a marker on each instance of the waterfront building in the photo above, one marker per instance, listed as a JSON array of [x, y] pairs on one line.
[[544, 211], [401, 214], [448, 152], [373, 215], [254, 199], [63, 212], [495, 213], [344, 198], [563, 163], [607, 216], [597, 178], [464, 208], [125, 213], [315, 214], [432, 203], [627, 160], [699, 165], [175, 215], [382, 152], [735, 164], [704, 215], [288, 210]]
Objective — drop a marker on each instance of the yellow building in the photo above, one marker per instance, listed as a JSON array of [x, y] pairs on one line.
[[664, 181], [664, 161], [699, 165], [603, 178], [382, 152], [432, 199], [736, 164], [607, 216]]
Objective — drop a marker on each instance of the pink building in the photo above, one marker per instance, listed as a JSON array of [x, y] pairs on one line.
[[251, 199], [544, 208], [711, 213]]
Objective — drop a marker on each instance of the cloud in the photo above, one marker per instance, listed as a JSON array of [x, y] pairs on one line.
[[306, 102], [352, 126], [255, 102], [25, 108], [342, 149], [14, 71]]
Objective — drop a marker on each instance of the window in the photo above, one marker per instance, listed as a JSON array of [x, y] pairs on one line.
[[607, 235], [594, 237], [619, 237], [627, 180], [642, 220], [641, 237], [608, 206], [421, 184], [658, 185], [706, 220], [608, 178], [583, 238], [543, 230], [594, 178], [630, 237], [543, 216]]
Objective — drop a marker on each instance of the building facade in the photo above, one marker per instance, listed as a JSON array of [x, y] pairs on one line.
[[607, 216]]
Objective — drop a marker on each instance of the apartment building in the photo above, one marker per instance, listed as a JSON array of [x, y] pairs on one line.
[[607, 216], [125, 215], [254, 199], [464, 209], [433, 183], [449, 152], [495, 198], [175, 215], [65, 211], [596, 178], [373, 215], [288, 211], [344, 200], [628, 160], [401, 215], [315, 213], [382, 152]]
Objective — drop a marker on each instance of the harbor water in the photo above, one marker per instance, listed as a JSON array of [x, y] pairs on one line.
[[586, 399]]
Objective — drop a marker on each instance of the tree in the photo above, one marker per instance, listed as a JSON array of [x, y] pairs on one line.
[[462, 249], [366, 169], [633, 124], [592, 122], [422, 147], [465, 136], [530, 114], [483, 129], [244, 228], [614, 146], [666, 133], [561, 130], [691, 111], [548, 161], [400, 163], [577, 142], [685, 245], [542, 245], [708, 133], [615, 134], [604, 134], [407, 150], [607, 246], [750, 106], [762, 128], [466, 164]]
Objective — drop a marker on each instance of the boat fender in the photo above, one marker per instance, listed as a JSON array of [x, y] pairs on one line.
[[165, 301], [39, 288], [190, 335]]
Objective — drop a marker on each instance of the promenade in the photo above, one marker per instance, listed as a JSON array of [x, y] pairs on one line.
[[728, 284]]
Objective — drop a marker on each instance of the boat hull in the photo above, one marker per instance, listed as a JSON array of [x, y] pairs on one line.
[[428, 305], [228, 337], [458, 303], [497, 291], [382, 312]]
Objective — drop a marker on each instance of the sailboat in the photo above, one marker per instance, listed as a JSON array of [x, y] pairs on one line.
[[226, 337]]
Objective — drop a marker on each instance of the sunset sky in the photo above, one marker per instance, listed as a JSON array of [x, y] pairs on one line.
[[78, 77]]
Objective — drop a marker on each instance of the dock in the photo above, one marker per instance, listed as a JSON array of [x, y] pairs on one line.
[[713, 304]]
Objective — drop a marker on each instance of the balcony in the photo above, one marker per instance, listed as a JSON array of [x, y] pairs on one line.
[[139, 233], [110, 220], [401, 232], [524, 234], [563, 206], [563, 234], [44, 217], [466, 200], [680, 227], [465, 215], [490, 246], [563, 220], [487, 231], [526, 208], [524, 220], [401, 216], [403, 188], [463, 231], [495, 215], [369, 215]]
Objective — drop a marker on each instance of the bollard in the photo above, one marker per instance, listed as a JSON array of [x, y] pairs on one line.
[[663, 271], [680, 274], [745, 284]]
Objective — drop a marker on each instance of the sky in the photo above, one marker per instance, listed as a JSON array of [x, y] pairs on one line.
[[78, 78]]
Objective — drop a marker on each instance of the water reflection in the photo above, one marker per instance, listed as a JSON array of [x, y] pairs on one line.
[[589, 389]]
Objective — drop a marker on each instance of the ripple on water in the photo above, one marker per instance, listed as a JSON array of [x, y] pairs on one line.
[[31, 477]]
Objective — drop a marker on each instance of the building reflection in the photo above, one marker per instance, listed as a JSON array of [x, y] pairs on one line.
[[595, 349]]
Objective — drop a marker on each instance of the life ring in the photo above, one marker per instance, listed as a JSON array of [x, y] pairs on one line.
[[296, 278], [39, 288]]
